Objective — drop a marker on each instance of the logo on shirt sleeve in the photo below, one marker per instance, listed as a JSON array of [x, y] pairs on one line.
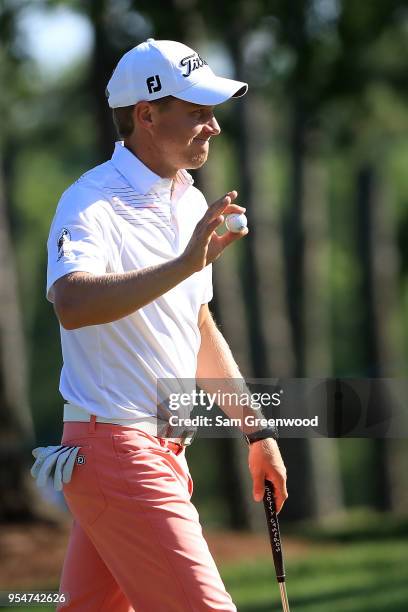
[[63, 244]]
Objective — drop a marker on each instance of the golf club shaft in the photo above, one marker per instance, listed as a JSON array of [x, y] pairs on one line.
[[284, 597], [275, 540]]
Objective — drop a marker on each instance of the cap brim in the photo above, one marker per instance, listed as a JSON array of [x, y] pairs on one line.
[[213, 91]]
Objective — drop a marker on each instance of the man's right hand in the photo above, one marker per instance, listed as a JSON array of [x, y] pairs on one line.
[[205, 246]]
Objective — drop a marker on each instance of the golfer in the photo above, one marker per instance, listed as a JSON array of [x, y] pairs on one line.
[[129, 273]]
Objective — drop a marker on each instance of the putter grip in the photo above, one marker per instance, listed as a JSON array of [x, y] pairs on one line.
[[274, 532]]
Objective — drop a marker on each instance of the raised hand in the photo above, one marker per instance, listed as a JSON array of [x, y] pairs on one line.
[[205, 246]]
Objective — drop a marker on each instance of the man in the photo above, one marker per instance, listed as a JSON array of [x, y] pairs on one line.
[[129, 273]]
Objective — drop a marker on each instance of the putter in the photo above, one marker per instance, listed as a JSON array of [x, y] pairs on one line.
[[275, 540]]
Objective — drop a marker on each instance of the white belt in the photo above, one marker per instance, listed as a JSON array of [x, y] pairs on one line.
[[150, 425]]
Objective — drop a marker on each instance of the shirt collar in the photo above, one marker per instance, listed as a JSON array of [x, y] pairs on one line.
[[142, 179]]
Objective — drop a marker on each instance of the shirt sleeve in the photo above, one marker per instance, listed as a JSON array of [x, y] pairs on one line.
[[76, 241]]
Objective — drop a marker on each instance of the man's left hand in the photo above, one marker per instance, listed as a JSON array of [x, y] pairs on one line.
[[266, 463]]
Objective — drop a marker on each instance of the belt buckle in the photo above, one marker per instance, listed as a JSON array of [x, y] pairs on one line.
[[187, 437]]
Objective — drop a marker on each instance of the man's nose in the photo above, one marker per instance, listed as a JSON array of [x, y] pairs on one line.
[[213, 127]]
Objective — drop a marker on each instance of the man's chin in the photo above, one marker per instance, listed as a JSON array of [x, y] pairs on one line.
[[196, 161]]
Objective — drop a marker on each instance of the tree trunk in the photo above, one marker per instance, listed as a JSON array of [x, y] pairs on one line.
[[376, 239], [103, 61], [327, 489], [262, 264], [296, 452], [16, 427]]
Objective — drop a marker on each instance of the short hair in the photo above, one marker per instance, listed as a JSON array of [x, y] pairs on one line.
[[123, 116]]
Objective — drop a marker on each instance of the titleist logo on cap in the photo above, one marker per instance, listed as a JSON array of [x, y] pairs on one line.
[[192, 62]]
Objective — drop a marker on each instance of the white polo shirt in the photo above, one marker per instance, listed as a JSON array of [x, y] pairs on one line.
[[117, 217]]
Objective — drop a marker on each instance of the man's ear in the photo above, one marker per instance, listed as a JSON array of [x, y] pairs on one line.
[[143, 115]]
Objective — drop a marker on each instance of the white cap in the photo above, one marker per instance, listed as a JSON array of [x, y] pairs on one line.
[[158, 68]]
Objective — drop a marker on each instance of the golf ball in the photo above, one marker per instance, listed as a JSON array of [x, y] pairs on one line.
[[235, 223]]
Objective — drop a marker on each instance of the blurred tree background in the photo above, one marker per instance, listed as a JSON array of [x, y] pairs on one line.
[[318, 151]]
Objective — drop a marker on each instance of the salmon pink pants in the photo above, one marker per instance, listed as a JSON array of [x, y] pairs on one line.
[[136, 542]]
